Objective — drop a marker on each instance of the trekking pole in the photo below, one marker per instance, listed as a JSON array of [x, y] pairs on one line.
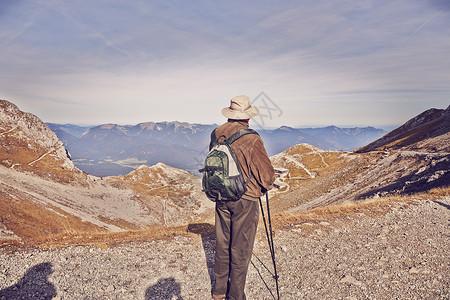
[[273, 248], [270, 240]]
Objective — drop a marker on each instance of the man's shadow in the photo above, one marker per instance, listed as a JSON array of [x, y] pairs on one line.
[[164, 289], [208, 234], [33, 285]]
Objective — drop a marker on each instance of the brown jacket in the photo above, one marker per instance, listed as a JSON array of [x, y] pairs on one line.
[[252, 158]]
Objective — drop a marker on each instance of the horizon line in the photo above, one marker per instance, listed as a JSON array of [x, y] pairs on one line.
[[383, 127]]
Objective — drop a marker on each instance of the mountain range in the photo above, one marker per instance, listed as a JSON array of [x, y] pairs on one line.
[[43, 195], [112, 149]]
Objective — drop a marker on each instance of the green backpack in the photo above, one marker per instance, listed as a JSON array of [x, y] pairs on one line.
[[222, 176]]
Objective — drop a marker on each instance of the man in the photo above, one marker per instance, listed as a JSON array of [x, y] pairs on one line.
[[236, 221]]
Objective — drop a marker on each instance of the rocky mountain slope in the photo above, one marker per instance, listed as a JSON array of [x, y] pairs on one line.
[[43, 193], [27, 143], [413, 158], [321, 178], [172, 194]]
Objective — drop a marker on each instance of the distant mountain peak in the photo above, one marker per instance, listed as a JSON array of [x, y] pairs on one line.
[[108, 126], [147, 125], [285, 128]]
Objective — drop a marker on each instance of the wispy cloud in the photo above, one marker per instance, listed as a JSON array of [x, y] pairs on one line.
[[340, 62]]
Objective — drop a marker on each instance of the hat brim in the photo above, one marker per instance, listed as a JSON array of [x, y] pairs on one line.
[[238, 115]]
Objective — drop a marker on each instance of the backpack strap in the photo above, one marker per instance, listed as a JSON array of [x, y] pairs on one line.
[[231, 139], [239, 134], [210, 168], [214, 139]]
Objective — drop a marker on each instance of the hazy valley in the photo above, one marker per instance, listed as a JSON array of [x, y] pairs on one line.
[[112, 149]]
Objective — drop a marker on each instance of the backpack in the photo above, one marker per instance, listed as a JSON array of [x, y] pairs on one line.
[[222, 176]]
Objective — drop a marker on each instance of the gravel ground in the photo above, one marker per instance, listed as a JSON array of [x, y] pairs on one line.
[[403, 254]]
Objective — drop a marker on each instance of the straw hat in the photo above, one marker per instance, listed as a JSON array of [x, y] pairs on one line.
[[240, 109]]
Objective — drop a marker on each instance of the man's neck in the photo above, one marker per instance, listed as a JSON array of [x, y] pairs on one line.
[[245, 122]]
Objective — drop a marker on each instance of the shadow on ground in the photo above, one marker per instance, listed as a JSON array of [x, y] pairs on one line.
[[207, 232], [33, 285], [164, 289], [168, 288], [442, 204]]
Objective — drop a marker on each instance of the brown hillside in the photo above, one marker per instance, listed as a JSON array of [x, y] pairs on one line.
[[43, 194], [427, 132], [322, 173], [356, 176], [414, 158]]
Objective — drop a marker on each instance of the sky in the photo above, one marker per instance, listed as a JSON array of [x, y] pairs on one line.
[[303, 63]]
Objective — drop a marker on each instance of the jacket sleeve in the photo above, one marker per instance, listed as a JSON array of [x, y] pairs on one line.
[[261, 166]]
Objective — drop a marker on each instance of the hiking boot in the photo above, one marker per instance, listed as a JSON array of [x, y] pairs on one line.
[[219, 297]]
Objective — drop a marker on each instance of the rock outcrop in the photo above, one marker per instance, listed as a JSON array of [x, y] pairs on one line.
[[25, 140]]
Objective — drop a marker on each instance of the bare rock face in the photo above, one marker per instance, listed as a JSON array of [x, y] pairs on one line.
[[26, 139], [27, 125]]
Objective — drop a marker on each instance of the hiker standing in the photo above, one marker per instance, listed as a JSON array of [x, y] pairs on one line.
[[236, 221]]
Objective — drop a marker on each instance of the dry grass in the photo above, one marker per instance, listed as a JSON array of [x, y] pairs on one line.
[[370, 207], [51, 227], [36, 235], [437, 193], [148, 182], [119, 223], [102, 240], [316, 162], [37, 225], [19, 153], [32, 222]]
